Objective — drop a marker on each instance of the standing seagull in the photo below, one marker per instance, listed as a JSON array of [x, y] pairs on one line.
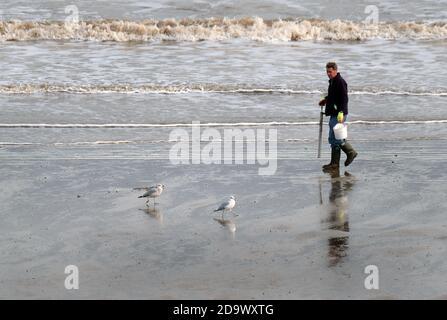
[[152, 192], [227, 205]]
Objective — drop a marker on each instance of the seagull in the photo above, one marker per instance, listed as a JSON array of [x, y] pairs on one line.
[[227, 205], [151, 192]]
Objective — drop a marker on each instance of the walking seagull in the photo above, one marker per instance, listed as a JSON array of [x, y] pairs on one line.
[[151, 192], [227, 205]]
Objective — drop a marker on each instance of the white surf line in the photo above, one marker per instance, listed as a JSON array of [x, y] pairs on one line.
[[153, 142], [149, 88], [149, 125], [398, 93], [215, 91], [397, 122], [20, 144], [210, 124]]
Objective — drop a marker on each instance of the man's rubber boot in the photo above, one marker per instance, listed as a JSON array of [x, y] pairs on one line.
[[350, 153], [335, 160]]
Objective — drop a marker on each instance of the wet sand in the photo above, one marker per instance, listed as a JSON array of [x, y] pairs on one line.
[[82, 123], [299, 234]]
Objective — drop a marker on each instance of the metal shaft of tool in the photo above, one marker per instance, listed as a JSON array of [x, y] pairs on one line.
[[320, 134]]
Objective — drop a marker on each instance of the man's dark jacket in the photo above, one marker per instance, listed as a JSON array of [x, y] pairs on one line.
[[337, 98]]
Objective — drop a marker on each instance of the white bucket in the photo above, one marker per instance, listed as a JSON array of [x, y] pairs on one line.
[[340, 131]]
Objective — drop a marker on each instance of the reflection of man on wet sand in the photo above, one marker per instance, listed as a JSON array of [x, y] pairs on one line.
[[337, 219]]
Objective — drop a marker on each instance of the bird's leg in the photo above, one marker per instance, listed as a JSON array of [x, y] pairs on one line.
[[147, 203]]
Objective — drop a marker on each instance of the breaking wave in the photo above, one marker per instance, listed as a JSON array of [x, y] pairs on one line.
[[250, 28], [197, 88]]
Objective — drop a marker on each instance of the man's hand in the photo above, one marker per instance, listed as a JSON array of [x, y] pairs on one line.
[[340, 117], [322, 102]]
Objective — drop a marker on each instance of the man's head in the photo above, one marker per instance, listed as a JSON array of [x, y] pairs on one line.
[[331, 70]]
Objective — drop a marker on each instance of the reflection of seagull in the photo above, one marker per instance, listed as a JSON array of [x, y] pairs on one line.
[[227, 205], [154, 213], [230, 225], [151, 192]]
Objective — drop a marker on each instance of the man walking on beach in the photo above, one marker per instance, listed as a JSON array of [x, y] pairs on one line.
[[336, 103]]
